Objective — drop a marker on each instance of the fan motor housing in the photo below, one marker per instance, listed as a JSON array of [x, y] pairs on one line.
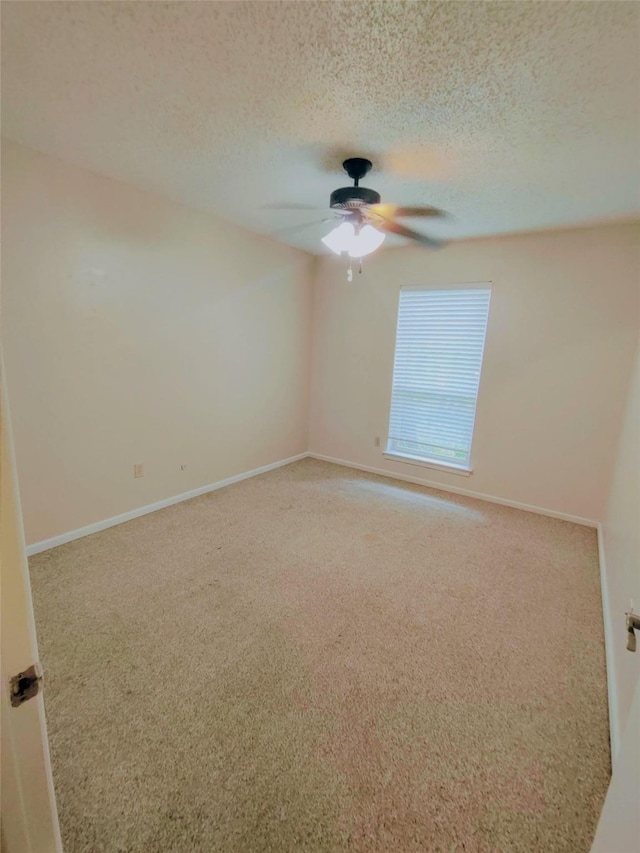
[[350, 197]]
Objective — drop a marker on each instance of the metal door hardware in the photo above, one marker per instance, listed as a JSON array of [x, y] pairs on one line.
[[25, 685], [633, 625]]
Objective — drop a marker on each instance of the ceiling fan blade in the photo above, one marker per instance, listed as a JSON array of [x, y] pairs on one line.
[[323, 208], [293, 228], [292, 207], [392, 227], [392, 211]]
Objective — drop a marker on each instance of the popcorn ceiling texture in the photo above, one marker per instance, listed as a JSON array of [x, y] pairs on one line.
[[511, 116], [319, 659]]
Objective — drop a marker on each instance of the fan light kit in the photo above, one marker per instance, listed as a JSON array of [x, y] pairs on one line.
[[365, 222], [345, 238]]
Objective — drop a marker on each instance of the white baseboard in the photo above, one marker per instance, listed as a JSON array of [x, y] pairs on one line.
[[551, 513], [46, 544], [614, 716]]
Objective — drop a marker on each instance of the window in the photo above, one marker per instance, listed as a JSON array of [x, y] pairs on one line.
[[436, 373]]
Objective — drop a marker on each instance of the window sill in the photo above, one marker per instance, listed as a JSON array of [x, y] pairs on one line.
[[438, 466]]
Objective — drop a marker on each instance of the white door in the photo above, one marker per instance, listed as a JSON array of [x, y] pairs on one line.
[[29, 817], [619, 827]]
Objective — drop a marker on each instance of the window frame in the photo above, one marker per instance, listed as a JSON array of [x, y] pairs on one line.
[[464, 470]]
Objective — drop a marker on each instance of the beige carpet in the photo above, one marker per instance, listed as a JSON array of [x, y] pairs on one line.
[[319, 659]]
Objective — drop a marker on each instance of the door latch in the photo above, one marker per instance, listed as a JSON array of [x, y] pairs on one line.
[[633, 625], [25, 685]]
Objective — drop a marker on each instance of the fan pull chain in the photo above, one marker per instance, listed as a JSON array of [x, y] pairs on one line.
[[350, 270]]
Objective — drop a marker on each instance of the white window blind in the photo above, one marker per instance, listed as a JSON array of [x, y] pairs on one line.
[[436, 374]]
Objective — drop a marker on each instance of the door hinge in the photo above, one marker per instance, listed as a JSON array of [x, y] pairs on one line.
[[25, 685]]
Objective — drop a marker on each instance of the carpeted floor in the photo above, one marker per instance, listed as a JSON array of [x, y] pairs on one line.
[[319, 659]]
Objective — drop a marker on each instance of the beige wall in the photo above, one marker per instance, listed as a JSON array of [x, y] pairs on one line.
[[621, 545], [137, 330], [561, 336]]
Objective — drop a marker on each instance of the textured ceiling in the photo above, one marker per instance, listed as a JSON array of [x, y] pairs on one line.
[[512, 116]]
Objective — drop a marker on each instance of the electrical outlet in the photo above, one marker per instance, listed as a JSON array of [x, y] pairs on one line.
[[138, 471], [376, 441]]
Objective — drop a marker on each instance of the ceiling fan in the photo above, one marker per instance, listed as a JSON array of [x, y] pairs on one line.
[[365, 221]]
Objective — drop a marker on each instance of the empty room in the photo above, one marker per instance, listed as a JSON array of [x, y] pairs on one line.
[[320, 427]]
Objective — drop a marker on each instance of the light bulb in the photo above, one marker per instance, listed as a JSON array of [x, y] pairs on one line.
[[340, 239], [368, 240]]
